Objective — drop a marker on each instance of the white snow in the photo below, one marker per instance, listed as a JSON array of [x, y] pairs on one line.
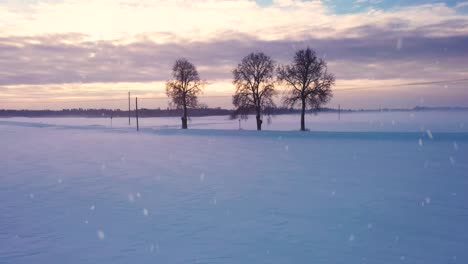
[[452, 160], [346, 192], [429, 134], [131, 198], [430, 122], [202, 177], [101, 235]]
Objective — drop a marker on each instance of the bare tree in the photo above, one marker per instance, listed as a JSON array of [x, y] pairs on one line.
[[254, 81], [184, 87], [308, 82]]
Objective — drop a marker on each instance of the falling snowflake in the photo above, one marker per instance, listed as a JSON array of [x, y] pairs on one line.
[[429, 134], [370, 226], [420, 142], [399, 43], [92, 208], [138, 195], [452, 160], [31, 195], [455, 145], [202, 177], [351, 238], [145, 212], [427, 200], [286, 147], [101, 235], [131, 198]]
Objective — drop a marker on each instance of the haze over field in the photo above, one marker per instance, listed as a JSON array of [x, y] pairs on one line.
[[58, 54]]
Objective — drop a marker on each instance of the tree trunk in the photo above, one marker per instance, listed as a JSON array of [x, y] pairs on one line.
[[303, 115], [259, 122], [184, 118]]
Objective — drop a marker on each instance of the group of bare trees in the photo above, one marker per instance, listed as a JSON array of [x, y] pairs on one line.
[[306, 81]]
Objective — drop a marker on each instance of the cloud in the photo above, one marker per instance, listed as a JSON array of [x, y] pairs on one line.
[[381, 54], [368, 1], [461, 5], [87, 48], [201, 20]]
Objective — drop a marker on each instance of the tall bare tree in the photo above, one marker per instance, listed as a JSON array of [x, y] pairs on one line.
[[308, 82], [254, 81], [184, 87]]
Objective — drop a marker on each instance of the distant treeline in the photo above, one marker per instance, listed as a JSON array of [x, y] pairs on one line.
[[196, 112], [107, 113]]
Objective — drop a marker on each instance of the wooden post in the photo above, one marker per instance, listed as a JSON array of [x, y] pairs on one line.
[[339, 112], [136, 111], [128, 108]]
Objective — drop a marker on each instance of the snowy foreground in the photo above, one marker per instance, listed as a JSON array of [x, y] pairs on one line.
[[375, 188]]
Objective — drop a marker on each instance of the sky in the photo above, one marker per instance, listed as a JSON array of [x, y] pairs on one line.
[[90, 53]]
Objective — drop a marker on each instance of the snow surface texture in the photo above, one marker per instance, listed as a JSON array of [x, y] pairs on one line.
[[78, 192], [451, 121]]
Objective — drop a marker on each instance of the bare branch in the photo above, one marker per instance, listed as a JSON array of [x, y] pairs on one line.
[[185, 86], [307, 81], [254, 83]]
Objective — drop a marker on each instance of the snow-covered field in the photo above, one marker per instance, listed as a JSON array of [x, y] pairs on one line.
[[370, 188], [376, 121]]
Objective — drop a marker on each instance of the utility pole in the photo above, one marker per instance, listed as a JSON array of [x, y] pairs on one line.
[[136, 111], [128, 108], [339, 112]]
